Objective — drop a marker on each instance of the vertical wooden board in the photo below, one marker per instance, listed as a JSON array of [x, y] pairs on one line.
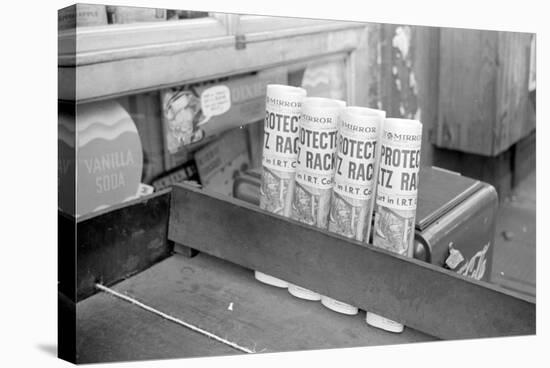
[[398, 86], [512, 122], [425, 49], [467, 90], [406, 68], [388, 100], [374, 66], [358, 76]]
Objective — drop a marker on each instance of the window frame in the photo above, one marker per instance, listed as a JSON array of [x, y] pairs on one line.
[[97, 63]]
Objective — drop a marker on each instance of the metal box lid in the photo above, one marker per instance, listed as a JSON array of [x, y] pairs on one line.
[[439, 191]]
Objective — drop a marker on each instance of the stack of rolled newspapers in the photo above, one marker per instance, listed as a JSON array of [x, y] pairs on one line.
[[332, 166]]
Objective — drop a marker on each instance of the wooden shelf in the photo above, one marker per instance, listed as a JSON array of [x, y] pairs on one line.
[[110, 61], [199, 290]]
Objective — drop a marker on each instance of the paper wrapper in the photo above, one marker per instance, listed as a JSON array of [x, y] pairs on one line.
[[354, 171], [283, 108], [397, 186], [315, 168], [396, 195], [317, 146]]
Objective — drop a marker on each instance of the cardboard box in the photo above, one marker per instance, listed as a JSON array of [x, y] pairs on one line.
[[81, 15], [126, 14], [221, 161], [191, 113]]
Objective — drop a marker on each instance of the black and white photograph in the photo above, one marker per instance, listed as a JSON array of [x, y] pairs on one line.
[[233, 183], [203, 155]]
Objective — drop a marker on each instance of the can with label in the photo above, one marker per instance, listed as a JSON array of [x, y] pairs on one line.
[[283, 108], [353, 180], [317, 146], [396, 195]]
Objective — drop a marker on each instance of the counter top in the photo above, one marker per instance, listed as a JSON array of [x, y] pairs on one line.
[[219, 297]]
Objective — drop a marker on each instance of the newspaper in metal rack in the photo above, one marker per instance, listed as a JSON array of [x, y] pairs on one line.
[[283, 108], [353, 180], [396, 195], [354, 171], [317, 146]]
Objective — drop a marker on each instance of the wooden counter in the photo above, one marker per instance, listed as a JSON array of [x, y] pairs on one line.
[[200, 291]]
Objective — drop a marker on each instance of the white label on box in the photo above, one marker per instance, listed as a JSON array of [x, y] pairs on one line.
[[215, 101]]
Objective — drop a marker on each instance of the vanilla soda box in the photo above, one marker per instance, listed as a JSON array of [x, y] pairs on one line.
[[353, 188], [317, 146], [283, 108], [396, 195]]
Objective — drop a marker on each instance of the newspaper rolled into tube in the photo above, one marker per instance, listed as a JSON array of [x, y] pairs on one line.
[[354, 171], [396, 195], [283, 108], [317, 146]]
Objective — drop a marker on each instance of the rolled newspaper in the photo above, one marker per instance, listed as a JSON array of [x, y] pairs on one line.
[[283, 108], [317, 142], [352, 193], [396, 195]]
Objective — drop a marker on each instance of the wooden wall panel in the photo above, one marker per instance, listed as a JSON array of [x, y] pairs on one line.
[[483, 96], [513, 121], [465, 86], [404, 75], [467, 90], [425, 55]]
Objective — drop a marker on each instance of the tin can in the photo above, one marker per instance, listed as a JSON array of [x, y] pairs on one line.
[[283, 108], [317, 146], [354, 174], [396, 195]]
